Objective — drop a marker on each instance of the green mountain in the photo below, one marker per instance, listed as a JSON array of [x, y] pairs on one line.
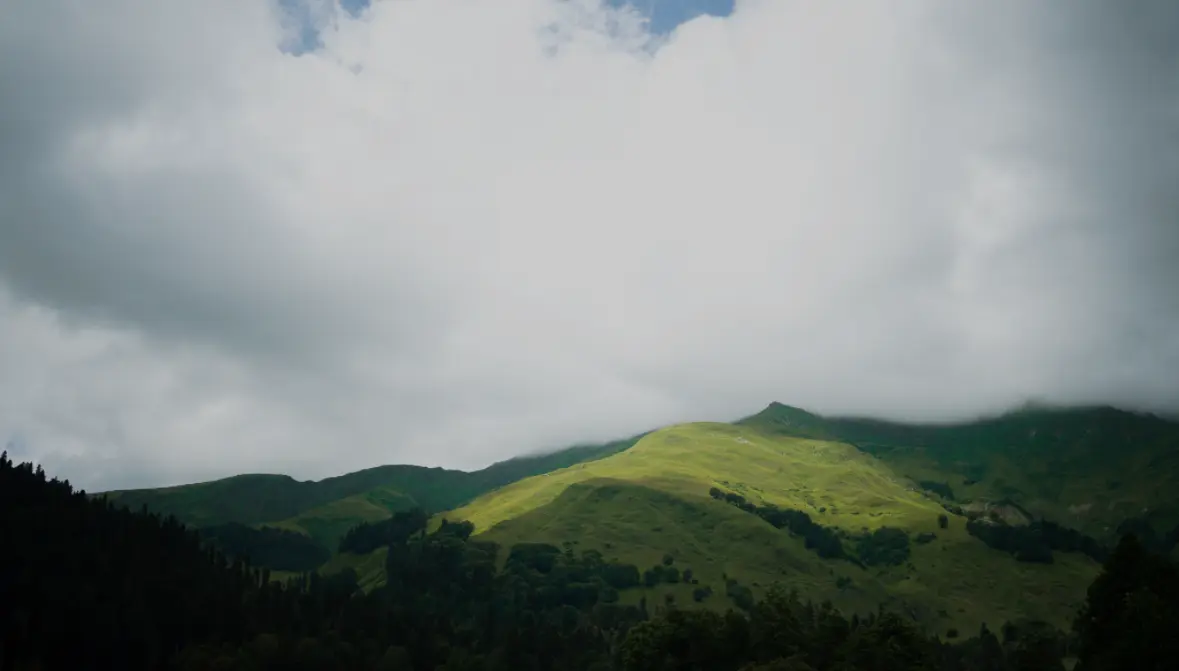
[[953, 524], [659, 501], [93, 585], [1088, 468], [327, 508]]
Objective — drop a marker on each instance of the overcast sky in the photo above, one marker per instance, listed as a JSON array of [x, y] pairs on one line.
[[245, 236]]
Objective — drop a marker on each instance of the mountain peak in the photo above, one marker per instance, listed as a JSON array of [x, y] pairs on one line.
[[779, 415], [781, 410]]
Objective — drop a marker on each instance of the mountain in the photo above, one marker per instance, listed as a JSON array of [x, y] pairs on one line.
[[705, 497], [327, 508], [88, 584], [1089, 468], [953, 524]]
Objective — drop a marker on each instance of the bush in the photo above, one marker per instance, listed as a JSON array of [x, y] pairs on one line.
[[540, 557], [701, 593], [741, 595], [943, 521], [884, 547], [942, 489], [816, 537], [621, 576], [1024, 543]]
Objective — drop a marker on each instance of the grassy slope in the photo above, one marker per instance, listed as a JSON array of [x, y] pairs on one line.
[[257, 499], [246, 499], [1089, 468], [328, 523], [653, 499], [370, 567], [280, 500]]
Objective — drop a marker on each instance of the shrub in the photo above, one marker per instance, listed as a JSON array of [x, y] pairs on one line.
[[1023, 542], [884, 547], [942, 489], [540, 557], [621, 576]]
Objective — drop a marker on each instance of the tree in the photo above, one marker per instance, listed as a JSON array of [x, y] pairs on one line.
[[1131, 612]]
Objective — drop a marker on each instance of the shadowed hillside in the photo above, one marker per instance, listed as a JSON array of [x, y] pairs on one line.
[[325, 509]]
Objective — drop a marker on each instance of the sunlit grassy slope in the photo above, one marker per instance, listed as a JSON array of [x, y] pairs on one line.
[[1088, 468], [653, 499]]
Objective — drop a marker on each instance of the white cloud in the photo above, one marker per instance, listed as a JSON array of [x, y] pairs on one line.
[[461, 230]]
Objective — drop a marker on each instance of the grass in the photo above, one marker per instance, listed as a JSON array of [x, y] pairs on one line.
[[369, 567], [651, 500], [320, 507], [854, 488], [1088, 468], [328, 523]]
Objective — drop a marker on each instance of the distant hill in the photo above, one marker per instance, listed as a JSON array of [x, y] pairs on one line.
[[325, 509]]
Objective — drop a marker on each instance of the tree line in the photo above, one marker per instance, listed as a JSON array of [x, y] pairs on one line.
[[886, 546]]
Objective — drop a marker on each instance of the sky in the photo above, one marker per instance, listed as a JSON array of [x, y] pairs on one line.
[[252, 236]]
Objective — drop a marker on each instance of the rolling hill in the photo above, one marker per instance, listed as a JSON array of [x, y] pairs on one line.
[[653, 502], [327, 508]]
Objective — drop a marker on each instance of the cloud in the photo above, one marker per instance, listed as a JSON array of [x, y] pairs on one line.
[[458, 231]]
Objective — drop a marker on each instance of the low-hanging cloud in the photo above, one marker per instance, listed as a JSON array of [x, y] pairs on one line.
[[461, 230]]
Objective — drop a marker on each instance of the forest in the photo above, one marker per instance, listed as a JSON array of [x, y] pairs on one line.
[[85, 583]]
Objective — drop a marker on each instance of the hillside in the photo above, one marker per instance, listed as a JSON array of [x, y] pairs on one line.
[[699, 496], [654, 500], [327, 524], [98, 586], [1088, 468], [327, 508]]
